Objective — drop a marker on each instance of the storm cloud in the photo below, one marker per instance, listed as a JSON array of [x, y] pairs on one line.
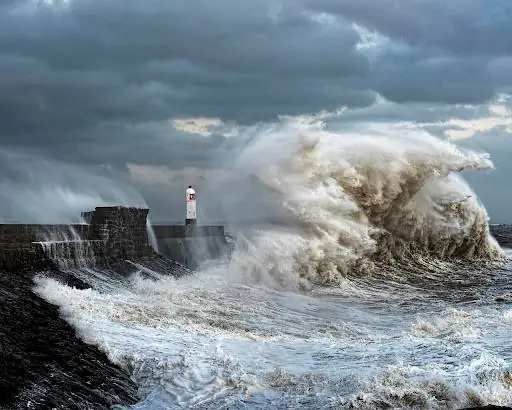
[[71, 69], [102, 82], [72, 65]]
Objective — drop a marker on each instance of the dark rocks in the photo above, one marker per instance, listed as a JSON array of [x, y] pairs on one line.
[[42, 362]]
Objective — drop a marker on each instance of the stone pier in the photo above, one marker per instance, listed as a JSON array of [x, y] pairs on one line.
[[114, 234]]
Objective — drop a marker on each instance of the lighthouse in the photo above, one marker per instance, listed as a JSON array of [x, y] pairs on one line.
[[190, 199]]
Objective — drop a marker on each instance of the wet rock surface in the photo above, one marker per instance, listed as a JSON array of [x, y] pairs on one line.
[[43, 364]]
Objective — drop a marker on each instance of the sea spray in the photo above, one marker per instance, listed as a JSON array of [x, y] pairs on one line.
[[35, 189], [153, 242], [348, 200], [68, 250]]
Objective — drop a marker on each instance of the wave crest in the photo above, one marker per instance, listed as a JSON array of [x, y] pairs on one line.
[[339, 202]]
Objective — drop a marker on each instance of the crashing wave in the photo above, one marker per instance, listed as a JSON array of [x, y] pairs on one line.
[[344, 201]]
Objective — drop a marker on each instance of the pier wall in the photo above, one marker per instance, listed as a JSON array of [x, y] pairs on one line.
[[191, 244], [21, 245], [112, 235]]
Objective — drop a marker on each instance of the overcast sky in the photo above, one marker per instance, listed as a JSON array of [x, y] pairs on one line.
[[143, 93]]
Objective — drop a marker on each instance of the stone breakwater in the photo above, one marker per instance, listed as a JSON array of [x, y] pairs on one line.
[[110, 236], [43, 363]]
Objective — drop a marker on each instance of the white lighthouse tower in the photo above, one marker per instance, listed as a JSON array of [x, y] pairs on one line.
[[190, 198]]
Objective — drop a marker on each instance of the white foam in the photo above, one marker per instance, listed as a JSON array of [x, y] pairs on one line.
[[211, 341], [339, 201]]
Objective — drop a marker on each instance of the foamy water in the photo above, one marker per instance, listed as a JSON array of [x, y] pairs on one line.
[[205, 341], [375, 288]]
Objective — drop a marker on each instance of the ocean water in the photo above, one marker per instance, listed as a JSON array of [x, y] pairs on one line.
[[378, 342], [367, 280]]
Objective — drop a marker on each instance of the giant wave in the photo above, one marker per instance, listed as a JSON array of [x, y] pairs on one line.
[[357, 282], [349, 200]]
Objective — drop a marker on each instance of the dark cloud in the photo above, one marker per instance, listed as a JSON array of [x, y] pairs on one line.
[[461, 27], [72, 69], [437, 51], [97, 82], [446, 80]]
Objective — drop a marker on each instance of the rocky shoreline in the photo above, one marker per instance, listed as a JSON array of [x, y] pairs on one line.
[[43, 364]]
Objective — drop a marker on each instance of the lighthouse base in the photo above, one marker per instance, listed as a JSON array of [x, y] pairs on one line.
[[190, 221]]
